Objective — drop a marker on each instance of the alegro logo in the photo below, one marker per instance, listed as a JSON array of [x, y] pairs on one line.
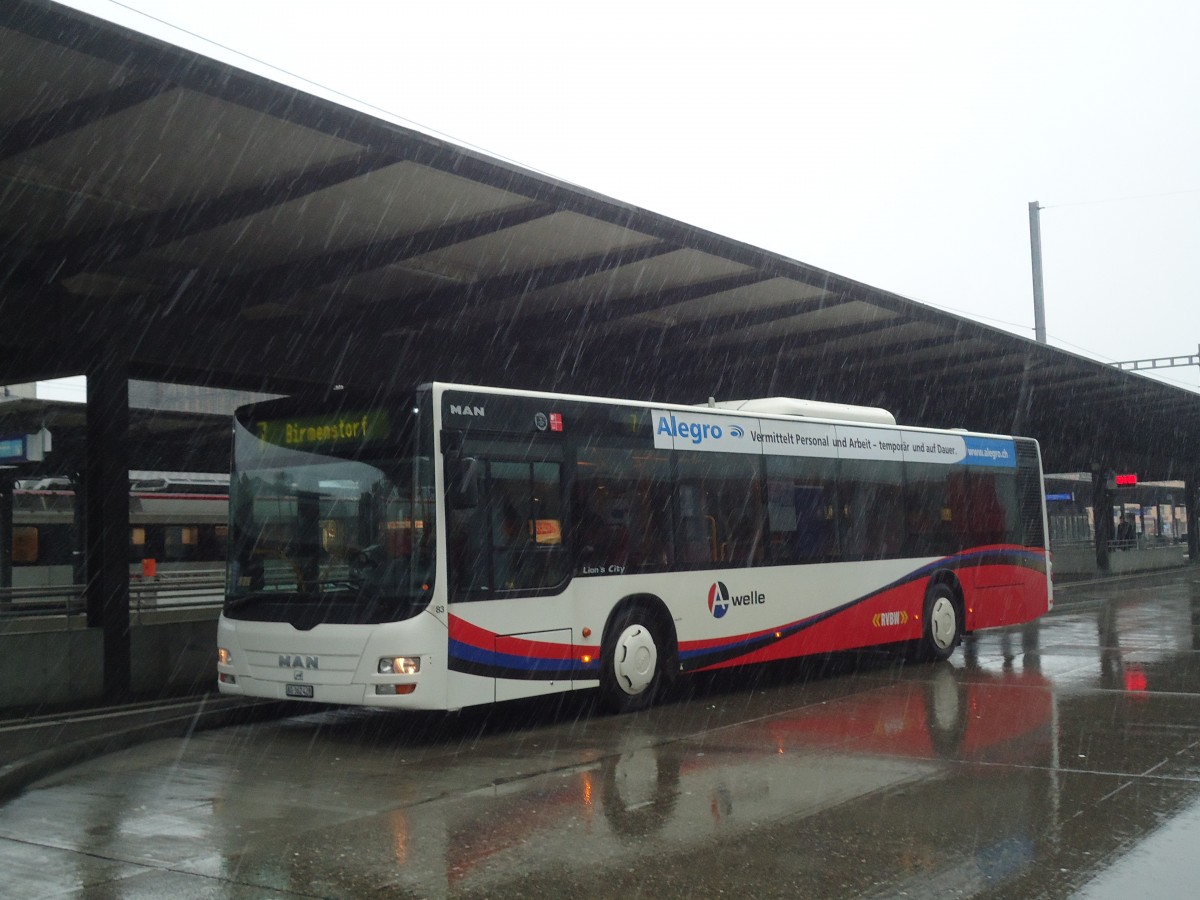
[[692, 431]]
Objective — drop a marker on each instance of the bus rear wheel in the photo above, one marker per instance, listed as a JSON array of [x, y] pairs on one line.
[[631, 669], [943, 623]]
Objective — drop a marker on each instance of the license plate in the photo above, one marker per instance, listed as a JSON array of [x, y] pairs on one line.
[[298, 690]]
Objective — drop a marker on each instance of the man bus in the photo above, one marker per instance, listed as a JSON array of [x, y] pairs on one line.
[[466, 545]]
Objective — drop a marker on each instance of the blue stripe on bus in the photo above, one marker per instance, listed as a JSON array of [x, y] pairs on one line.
[[482, 661], [505, 660]]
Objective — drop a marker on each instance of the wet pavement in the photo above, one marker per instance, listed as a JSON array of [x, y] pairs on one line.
[[32, 745], [1057, 760]]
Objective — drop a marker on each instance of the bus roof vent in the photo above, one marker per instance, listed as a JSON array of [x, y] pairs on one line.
[[810, 409]]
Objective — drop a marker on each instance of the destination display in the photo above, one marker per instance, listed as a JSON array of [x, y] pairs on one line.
[[675, 430], [338, 429]]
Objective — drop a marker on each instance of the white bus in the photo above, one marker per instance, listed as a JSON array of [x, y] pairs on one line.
[[466, 545]]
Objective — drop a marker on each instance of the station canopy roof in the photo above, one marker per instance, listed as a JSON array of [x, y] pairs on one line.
[[209, 226]]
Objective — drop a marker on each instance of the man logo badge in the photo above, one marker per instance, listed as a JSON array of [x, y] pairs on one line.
[[299, 662]]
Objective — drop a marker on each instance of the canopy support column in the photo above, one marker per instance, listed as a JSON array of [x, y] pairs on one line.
[[7, 499], [1102, 500], [1191, 491], [106, 514]]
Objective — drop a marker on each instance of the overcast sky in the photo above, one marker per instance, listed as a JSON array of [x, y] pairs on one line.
[[897, 143]]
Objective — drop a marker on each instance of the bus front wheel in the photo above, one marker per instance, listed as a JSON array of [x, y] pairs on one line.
[[631, 671]]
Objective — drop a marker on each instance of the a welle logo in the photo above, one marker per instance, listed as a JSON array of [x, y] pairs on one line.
[[719, 599]]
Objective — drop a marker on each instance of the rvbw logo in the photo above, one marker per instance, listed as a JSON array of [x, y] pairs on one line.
[[718, 599]]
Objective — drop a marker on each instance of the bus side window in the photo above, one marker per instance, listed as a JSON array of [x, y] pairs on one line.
[[719, 508], [512, 540], [468, 549], [511, 521], [621, 510], [872, 498], [987, 508], [696, 526], [802, 498], [930, 512]]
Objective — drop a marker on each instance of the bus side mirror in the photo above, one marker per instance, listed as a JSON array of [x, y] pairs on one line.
[[465, 477]]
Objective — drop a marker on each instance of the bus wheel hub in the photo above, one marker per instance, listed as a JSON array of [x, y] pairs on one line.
[[635, 660], [942, 622]]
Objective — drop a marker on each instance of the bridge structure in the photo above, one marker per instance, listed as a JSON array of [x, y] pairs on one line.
[[1159, 362]]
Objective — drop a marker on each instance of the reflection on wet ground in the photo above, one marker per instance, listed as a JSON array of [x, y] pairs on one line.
[[1057, 759]]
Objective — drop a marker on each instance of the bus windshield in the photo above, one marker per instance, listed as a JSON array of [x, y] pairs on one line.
[[331, 517]]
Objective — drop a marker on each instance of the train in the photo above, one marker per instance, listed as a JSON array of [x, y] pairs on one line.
[[178, 530]]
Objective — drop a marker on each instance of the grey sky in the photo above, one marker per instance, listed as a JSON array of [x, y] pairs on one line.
[[895, 143]]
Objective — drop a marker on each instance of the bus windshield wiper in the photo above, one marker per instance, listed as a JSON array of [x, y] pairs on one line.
[[344, 586]]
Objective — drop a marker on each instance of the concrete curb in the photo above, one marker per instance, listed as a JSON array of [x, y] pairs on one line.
[[203, 714]]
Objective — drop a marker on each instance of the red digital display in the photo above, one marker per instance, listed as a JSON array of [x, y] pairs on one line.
[[1126, 480], [556, 423]]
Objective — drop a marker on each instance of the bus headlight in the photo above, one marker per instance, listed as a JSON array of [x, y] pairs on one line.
[[224, 657], [400, 665]]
